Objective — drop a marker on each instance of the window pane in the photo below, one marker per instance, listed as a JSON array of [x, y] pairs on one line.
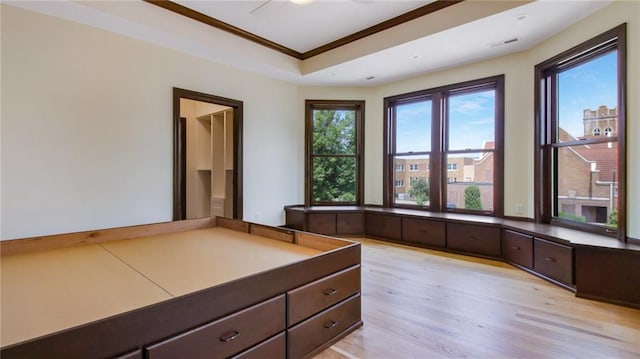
[[587, 183], [413, 127], [470, 185], [472, 120], [334, 132], [412, 186], [587, 99], [334, 179]]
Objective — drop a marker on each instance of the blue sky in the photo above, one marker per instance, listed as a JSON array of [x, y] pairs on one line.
[[586, 86], [471, 122], [472, 115]]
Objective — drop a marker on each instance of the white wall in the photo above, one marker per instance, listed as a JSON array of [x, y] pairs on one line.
[[87, 128]]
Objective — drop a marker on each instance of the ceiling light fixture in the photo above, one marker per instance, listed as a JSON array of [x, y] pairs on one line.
[[301, 2]]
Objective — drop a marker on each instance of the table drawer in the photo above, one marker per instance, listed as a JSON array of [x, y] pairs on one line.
[[226, 336], [517, 248], [317, 330], [472, 238], [423, 231], [275, 347], [553, 260], [316, 296]]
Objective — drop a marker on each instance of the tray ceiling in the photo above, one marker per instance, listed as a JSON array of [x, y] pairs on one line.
[[465, 32]]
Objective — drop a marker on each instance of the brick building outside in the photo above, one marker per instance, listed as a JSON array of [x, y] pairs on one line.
[[587, 174], [462, 172]]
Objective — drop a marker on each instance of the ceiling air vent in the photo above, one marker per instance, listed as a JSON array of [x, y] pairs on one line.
[[503, 42]]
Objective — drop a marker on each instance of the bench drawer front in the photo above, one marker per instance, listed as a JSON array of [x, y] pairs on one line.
[[471, 238], [383, 226], [423, 231], [350, 223], [322, 223], [314, 297], [317, 330], [517, 248], [553, 260], [226, 336]]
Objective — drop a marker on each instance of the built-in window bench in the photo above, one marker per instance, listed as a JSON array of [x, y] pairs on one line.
[[593, 266]]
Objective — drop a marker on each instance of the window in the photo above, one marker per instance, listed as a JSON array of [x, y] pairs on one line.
[[399, 183], [582, 172], [413, 167], [451, 128], [399, 167], [334, 152]]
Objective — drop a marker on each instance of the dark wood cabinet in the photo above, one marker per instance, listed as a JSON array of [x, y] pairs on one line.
[[311, 335], [475, 239], [227, 336], [383, 226], [295, 219], [314, 297], [424, 231], [325, 221], [322, 223], [517, 248], [350, 223], [553, 260], [608, 274]]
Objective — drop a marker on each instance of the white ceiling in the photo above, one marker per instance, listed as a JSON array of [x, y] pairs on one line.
[[466, 32], [303, 27]]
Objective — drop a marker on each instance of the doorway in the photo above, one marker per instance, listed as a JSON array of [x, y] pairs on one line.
[[207, 156]]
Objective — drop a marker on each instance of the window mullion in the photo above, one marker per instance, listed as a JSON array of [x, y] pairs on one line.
[[436, 152]]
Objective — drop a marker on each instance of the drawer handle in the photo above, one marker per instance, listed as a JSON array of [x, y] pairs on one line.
[[330, 291], [549, 259], [330, 324], [230, 336], [516, 248]]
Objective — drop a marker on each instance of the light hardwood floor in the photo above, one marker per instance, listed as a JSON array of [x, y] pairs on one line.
[[418, 303]]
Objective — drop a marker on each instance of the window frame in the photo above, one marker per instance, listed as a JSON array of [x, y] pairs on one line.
[[438, 152], [350, 105], [545, 102]]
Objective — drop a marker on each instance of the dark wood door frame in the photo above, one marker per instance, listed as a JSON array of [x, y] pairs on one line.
[[179, 150]]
